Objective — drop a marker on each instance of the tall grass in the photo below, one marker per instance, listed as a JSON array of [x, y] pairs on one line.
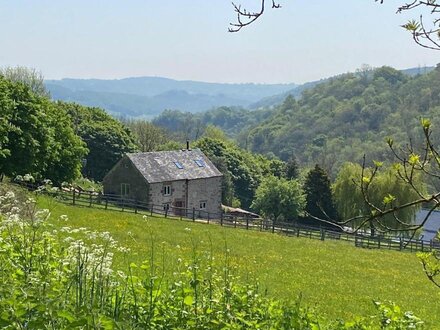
[[59, 277]]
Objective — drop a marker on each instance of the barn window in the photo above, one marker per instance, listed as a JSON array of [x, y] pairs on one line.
[[166, 206], [203, 205], [125, 189], [167, 190], [199, 162], [179, 165]]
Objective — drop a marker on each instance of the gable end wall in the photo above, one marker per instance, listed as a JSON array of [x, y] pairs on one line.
[[125, 172]]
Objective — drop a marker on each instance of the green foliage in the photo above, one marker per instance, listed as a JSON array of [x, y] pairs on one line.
[[65, 279], [431, 265], [32, 78], [37, 137], [215, 133], [292, 170], [279, 199], [386, 190], [244, 169], [346, 117], [323, 271], [319, 197], [107, 139], [187, 126], [148, 137]]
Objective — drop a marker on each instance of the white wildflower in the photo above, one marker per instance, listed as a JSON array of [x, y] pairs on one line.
[[63, 217]]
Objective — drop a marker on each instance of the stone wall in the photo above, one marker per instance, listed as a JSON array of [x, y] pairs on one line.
[[125, 172], [187, 194], [208, 191]]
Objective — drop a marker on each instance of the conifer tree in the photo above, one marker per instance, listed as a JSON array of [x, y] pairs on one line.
[[319, 199]]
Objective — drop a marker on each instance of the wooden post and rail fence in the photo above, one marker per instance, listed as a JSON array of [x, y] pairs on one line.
[[118, 203]]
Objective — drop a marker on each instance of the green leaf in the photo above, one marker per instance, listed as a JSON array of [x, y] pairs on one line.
[[414, 159], [377, 163], [426, 123], [66, 315], [388, 199], [188, 300], [412, 26]]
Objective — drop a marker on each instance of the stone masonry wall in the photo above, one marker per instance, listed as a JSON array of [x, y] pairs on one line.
[[188, 194], [199, 191], [208, 191], [125, 172]]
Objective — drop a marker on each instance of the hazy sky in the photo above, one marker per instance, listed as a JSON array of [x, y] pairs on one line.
[[188, 39]]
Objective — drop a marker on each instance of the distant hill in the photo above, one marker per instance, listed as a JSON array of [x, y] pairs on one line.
[[348, 116], [149, 96], [297, 91]]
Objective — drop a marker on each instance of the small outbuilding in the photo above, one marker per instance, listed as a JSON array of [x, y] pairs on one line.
[[178, 181]]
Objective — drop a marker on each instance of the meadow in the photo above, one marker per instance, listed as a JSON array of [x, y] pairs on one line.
[[334, 278]]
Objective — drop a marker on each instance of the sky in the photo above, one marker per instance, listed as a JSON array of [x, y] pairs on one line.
[[303, 41]]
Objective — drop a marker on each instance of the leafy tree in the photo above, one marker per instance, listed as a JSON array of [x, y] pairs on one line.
[[292, 171], [345, 117], [107, 139], [148, 136], [213, 132], [37, 138], [244, 168], [319, 198], [228, 193], [360, 191], [170, 145], [30, 77], [279, 199], [244, 171]]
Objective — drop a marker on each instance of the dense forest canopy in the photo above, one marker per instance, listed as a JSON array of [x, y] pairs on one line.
[[336, 121], [344, 118]]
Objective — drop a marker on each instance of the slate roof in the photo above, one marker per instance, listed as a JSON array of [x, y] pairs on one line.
[[160, 166]]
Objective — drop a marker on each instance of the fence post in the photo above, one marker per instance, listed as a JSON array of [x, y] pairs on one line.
[[194, 214], [400, 242], [166, 211], [322, 234], [135, 206], [247, 222], [235, 222], [73, 199], [208, 218], [273, 226], [151, 210], [90, 199], [221, 219], [123, 204]]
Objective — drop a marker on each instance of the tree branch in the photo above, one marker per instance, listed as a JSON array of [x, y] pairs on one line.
[[246, 17]]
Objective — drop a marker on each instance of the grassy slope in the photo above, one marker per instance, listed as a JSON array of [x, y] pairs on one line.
[[335, 277]]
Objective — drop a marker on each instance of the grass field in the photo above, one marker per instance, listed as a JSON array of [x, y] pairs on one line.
[[335, 278]]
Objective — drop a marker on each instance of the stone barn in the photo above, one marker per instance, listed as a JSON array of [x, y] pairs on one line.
[[171, 180]]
